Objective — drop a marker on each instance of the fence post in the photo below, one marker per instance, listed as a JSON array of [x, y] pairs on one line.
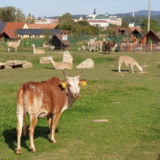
[[151, 47]]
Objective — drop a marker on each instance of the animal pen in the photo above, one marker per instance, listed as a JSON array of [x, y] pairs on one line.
[[75, 41]]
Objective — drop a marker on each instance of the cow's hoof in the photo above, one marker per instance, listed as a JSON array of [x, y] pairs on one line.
[[19, 151], [53, 141], [32, 149]]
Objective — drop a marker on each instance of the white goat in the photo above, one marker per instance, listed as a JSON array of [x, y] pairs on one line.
[[60, 65], [96, 45], [37, 51], [50, 47], [128, 61], [13, 44], [45, 45], [91, 41]]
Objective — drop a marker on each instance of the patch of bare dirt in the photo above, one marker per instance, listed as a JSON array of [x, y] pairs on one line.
[[100, 120], [143, 72], [145, 66], [59, 52], [116, 102]]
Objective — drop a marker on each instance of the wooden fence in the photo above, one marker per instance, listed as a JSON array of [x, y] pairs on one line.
[[139, 48]]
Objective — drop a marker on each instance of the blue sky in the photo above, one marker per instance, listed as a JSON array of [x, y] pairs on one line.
[[41, 8]]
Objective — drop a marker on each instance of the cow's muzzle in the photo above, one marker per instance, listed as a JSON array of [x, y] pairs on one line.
[[77, 95]]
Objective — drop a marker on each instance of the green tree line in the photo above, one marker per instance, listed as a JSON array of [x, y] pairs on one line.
[[12, 14], [77, 28]]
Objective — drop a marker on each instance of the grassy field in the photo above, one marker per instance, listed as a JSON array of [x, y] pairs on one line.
[[130, 103]]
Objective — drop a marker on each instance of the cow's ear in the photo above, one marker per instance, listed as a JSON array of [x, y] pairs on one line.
[[63, 84], [83, 82]]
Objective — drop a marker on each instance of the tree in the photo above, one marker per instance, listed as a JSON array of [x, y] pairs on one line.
[[11, 14], [30, 18], [20, 17], [153, 25], [8, 14], [124, 24], [66, 19], [84, 23]]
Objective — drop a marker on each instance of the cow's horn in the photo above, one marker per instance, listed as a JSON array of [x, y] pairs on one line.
[[65, 75], [80, 73]]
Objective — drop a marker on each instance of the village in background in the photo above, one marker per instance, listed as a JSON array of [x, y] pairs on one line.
[[126, 30]]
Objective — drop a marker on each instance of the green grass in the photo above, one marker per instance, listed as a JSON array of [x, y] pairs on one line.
[[133, 128]]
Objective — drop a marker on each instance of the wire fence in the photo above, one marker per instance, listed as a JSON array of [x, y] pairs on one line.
[[76, 41]]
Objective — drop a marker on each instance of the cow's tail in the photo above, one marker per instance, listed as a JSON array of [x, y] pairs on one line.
[[24, 109]]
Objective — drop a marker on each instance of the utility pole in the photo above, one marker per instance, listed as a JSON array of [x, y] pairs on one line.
[[149, 6]]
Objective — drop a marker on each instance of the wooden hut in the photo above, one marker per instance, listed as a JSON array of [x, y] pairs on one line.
[[150, 36], [60, 41]]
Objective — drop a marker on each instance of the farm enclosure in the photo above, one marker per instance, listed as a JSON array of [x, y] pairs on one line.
[[130, 103]]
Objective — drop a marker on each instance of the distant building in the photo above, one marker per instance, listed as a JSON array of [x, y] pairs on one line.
[[110, 19], [131, 24], [98, 23]]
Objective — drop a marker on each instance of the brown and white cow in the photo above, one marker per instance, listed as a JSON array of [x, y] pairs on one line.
[[45, 99]]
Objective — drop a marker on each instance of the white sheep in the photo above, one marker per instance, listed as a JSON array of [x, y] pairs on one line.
[[60, 65], [37, 51], [13, 44], [128, 61]]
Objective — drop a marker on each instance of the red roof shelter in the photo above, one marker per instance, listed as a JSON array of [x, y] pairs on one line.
[[150, 35]]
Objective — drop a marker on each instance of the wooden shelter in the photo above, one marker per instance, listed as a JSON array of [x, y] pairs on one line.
[[60, 41], [150, 36]]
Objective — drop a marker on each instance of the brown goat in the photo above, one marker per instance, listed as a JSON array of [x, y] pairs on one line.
[[109, 45]]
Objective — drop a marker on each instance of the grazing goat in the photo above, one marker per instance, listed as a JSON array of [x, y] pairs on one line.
[[13, 44], [128, 61], [109, 45], [60, 65], [37, 51], [96, 45]]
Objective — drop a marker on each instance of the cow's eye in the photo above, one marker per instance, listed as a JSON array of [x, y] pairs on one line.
[[79, 84], [69, 85]]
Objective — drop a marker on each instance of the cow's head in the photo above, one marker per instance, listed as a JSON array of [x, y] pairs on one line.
[[72, 85]]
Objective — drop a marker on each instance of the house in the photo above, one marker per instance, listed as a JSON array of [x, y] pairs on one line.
[[42, 26], [60, 41], [122, 30], [150, 36], [39, 33], [9, 29]]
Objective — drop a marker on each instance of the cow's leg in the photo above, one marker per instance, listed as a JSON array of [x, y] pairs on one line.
[[15, 50], [49, 119], [19, 114], [54, 125], [33, 122], [8, 50], [19, 127]]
